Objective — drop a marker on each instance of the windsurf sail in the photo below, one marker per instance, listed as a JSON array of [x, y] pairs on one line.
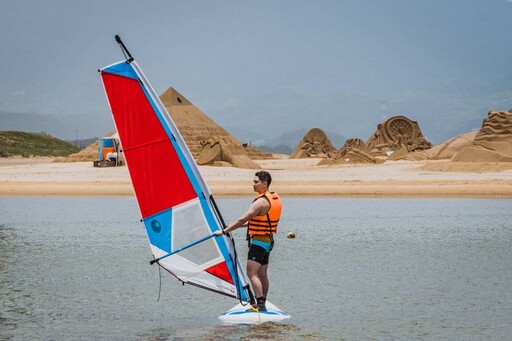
[[177, 207]]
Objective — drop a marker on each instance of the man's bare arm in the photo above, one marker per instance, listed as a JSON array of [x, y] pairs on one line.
[[259, 207]]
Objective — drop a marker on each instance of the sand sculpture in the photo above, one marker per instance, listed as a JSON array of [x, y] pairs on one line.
[[396, 133], [315, 144], [200, 132], [443, 151], [493, 143], [449, 148], [222, 152], [393, 139], [354, 151]]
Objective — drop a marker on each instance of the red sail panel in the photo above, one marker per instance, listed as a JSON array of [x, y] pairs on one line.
[[220, 270], [159, 179]]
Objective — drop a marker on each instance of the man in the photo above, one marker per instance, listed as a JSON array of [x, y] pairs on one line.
[[261, 220]]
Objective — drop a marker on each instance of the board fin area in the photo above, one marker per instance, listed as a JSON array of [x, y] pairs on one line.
[[242, 314]]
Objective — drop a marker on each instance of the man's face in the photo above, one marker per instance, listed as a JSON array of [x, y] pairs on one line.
[[258, 185]]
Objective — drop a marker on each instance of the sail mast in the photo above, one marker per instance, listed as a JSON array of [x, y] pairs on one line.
[[126, 53]]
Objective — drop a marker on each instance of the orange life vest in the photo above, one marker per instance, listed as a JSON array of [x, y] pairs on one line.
[[266, 224]]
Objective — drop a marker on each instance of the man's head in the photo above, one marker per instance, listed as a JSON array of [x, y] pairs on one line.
[[261, 181]]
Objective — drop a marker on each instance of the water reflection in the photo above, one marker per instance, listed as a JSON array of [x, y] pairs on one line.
[[264, 331]]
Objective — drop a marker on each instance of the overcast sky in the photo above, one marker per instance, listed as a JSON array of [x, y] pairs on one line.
[[342, 65]]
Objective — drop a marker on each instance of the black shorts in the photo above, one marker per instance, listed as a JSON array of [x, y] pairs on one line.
[[258, 254]]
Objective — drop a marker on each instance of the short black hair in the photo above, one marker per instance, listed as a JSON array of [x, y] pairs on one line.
[[265, 177]]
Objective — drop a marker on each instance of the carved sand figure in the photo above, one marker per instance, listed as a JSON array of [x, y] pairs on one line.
[[222, 152], [493, 143], [315, 144], [394, 133], [354, 151]]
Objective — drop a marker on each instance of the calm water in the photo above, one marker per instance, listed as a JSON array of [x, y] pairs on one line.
[[359, 269]]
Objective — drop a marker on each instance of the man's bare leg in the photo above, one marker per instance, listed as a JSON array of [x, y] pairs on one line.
[[262, 274], [252, 271]]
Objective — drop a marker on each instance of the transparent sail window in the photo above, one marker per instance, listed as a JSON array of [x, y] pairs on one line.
[[189, 225]]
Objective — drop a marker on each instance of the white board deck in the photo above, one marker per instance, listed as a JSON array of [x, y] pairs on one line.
[[241, 314]]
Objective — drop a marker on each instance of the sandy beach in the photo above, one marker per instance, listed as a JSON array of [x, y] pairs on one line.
[[292, 177]]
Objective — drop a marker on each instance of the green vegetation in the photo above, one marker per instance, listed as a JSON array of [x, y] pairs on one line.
[[33, 144]]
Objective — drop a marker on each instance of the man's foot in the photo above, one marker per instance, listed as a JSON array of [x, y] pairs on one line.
[[261, 303], [253, 309]]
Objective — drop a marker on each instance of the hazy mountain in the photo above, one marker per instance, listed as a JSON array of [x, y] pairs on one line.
[[297, 112], [65, 127], [442, 110]]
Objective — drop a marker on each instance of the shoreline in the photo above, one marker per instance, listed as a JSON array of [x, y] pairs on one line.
[[371, 189], [292, 178]]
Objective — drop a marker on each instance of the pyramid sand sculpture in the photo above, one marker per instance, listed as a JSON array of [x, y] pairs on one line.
[[201, 133], [493, 143], [394, 133], [315, 144]]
